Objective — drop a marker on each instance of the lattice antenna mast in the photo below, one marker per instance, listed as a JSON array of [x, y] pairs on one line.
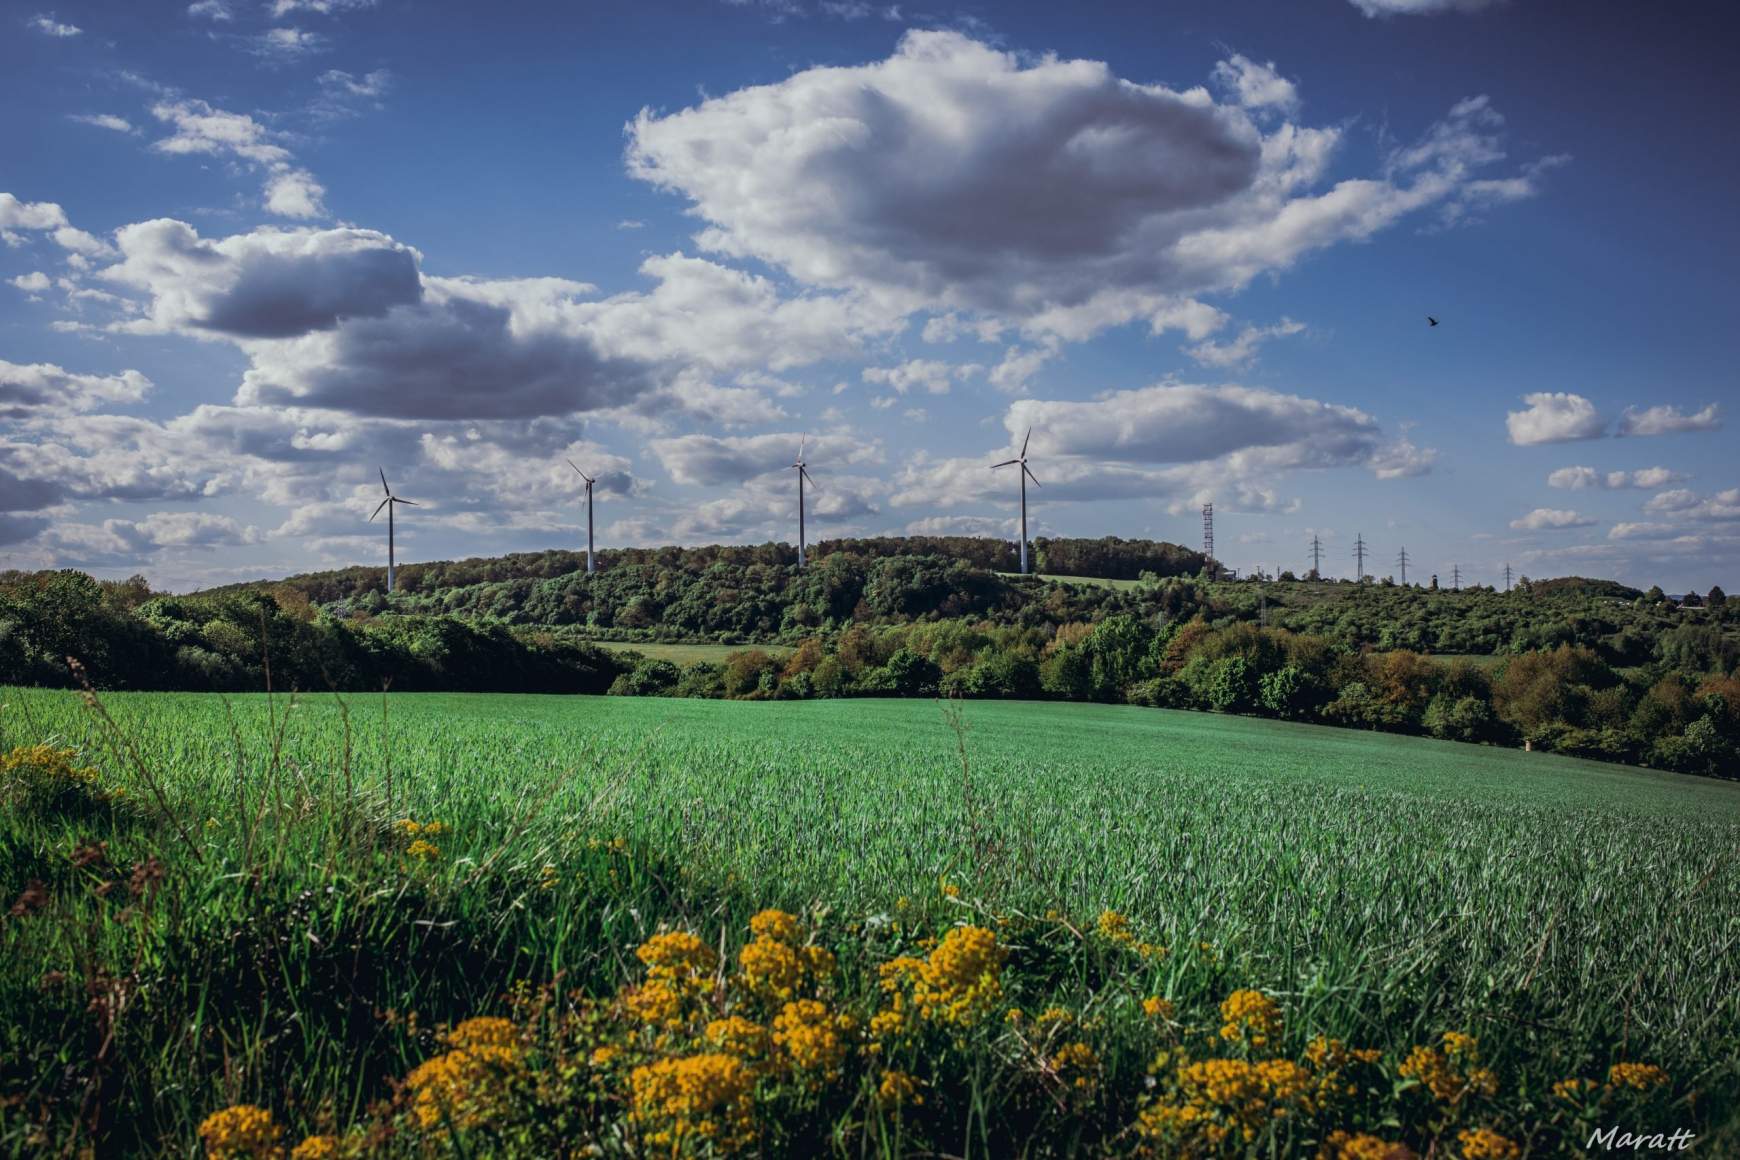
[[1316, 558], [1456, 577], [1403, 561], [1359, 556], [1507, 576], [1208, 541]]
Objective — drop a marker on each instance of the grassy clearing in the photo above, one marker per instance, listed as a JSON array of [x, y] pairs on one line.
[[1381, 890], [688, 654]]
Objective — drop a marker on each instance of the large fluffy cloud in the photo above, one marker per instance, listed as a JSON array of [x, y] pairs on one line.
[[1555, 417], [43, 388], [344, 319], [953, 175], [266, 284], [1174, 441]]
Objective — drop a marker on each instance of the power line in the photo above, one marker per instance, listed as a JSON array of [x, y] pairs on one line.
[[1359, 556]]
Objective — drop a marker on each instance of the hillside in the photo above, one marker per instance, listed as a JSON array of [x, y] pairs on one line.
[[1576, 666]]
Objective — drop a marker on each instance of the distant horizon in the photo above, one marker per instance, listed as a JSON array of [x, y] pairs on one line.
[[1300, 574], [1303, 260]]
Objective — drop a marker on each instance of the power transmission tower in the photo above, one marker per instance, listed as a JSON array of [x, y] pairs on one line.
[[1316, 558], [1359, 557], [1456, 577], [1403, 561], [1208, 540], [1507, 577]]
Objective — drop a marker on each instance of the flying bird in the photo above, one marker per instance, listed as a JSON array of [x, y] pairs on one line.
[[1431, 320]]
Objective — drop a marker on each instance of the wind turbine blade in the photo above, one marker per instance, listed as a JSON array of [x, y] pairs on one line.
[[384, 486], [377, 511], [802, 443], [1024, 440], [577, 470], [1005, 463], [805, 472], [414, 503], [1031, 476]]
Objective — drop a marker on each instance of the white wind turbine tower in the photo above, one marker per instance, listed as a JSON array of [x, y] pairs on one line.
[[589, 482], [803, 476], [388, 504], [1026, 475]]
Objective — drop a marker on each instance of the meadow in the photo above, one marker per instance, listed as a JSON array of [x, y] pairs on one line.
[[1144, 877]]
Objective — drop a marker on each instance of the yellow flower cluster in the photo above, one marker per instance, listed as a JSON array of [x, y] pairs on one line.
[[1115, 928], [1250, 1017], [739, 1036], [1636, 1076], [704, 1098], [1485, 1144], [812, 1038], [468, 1085], [898, 1089], [45, 772], [1363, 1146], [957, 984], [413, 829], [1077, 1063], [242, 1132], [316, 1148], [1215, 1099], [1154, 1007], [777, 964], [1451, 1072], [679, 970], [423, 851]]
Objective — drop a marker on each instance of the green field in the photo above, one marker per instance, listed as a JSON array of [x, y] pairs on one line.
[[1384, 888]]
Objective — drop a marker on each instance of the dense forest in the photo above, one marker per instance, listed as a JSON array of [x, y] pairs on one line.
[[1579, 666]]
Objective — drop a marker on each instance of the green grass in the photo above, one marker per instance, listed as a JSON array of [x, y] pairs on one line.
[[1386, 887], [1088, 581], [688, 654]]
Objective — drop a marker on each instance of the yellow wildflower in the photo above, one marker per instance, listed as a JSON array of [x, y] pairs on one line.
[[898, 1089], [1250, 1017], [1115, 927], [1485, 1144], [1076, 1062], [468, 1085], [423, 851], [739, 1036], [242, 1132], [1343, 1145], [1154, 1007], [1637, 1076], [776, 925], [703, 1098], [812, 1037], [957, 984], [1450, 1073], [316, 1148]]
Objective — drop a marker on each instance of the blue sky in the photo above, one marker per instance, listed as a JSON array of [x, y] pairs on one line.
[[254, 249]]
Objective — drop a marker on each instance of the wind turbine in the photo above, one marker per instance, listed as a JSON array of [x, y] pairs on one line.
[[1026, 475], [589, 482], [388, 504], [803, 475]]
